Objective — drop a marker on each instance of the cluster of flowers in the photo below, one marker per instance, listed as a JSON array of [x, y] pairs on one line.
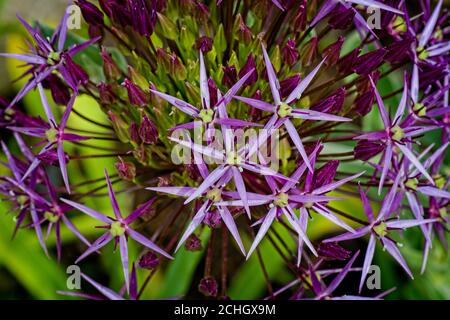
[[148, 89]]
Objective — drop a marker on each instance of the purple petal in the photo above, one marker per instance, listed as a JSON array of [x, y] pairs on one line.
[[196, 221], [273, 81], [367, 260], [366, 205], [394, 252], [208, 182], [179, 104], [350, 235], [235, 88], [263, 230], [258, 104], [386, 166], [289, 214], [316, 115], [112, 198], [411, 157], [326, 8], [124, 257], [147, 243], [240, 186], [323, 211], [204, 90], [97, 245], [227, 218], [434, 192], [334, 185], [429, 27], [37, 227], [139, 211], [29, 58], [298, 143], [63, 166], [74, 230], [176, 191], [90, 212], [376, 4], [108, 293], [381, 107], [341, 275], [298, 91]]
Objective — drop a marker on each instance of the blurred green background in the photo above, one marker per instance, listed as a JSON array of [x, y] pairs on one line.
[[26, 273]]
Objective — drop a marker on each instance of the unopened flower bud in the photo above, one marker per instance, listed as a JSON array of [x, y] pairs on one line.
[[208, 286], [120, 127], [60, 92], [107, 96], [193, 243], [135, 94], [229, 76], [204, 44], [249, 65], [126, 170], [148, 261], [110, 69], [90, 13], [333, 51], [309, 51], [148, 131], [290, 53], [365, 150]]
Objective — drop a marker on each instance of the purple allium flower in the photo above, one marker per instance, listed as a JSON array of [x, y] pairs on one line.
[[119, 229], [49, 56]]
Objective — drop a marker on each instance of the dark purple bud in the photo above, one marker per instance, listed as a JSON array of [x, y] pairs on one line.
[[96, 32], [332, 104], [192, 171], [107, 95], [341, 17], [135, 94], [90, 13], [134, 133], [245, 34], [301, 16], [126, 170], [325, 174], [148, 131], [229, 76], [148, 261], [345, 64], [256, 114], [208, 286], [364, 102], [75, 72], [366, 150], [143, 16], [204, 44], [60, 92], [398, 50], [249, 65], [290, 53], [213, 219], [193, 243], [309, 52], [332, 251], [333, 52], [50, 157], [201, 11], [212, 88], [110, 69], [287, 85], [367, 63]]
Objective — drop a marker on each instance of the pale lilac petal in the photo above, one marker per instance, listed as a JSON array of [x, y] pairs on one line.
[[258, 104], [263, 229], [402, 105], [394, 252], [366, 205], [204, 90], [98, 244], [435, 156], [312, 198], [415, 84], [350, 235], [237, 123], [408, 153], [323, 211], [429, 27], [227, 218], [240, 186], [298, 143], [289, 214], [404, 224], [37, 227], [189, 125], [273, 80], [367, 260], [326, 8], [139, 211], [316, 115], [147, 243], [90, 212], [108, 293], [124, 258], [80, 47], [389, 199], [376, 4], [235, 88], [47, 109], [74, 230], [434, 192], [28, 58], [179, 104], [386, 165], [67, 112], [334, 185], [196, 221], [439, 50], [381, 107], [208, 182], [207, 151], [176, 191], [112, 198], [301, 87], [341, 275], [303, 222], [63, 166]]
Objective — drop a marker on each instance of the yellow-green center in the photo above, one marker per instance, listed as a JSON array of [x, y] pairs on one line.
[[412, 184], [400, 25], [443, 213], [284, 110], [422, 53], [397, 133], [206, 115], [52, 135], [214, 195], [233, 159], [117, 229], [420, 109], [381, 229], [282, 200], [53, 58], [439, 180], [51, 217]]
